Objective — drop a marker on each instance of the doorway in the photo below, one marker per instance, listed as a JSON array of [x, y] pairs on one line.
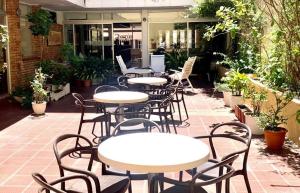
[[128, 43]]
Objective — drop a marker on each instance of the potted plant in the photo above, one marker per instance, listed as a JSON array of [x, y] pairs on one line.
[[39, 93], [236, 82], [272, 121], [256, 98], [40, 24], [67, 52], [224, 88]]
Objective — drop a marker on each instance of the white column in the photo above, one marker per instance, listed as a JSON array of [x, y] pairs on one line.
[[145, 52]]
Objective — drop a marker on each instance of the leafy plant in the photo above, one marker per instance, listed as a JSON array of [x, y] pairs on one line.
[[236, 81], [25, 94], [3, 44], [256, 98], [59, 73], [273, 118], [176, 58], [67, 52], [77, 66], [37, 85], [298, 116], [209, 8], [40, 24]]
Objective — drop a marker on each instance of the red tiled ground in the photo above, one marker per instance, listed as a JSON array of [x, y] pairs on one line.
[[26, 146]]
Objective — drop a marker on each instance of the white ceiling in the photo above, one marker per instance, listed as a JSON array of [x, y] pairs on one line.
[[73, 5]]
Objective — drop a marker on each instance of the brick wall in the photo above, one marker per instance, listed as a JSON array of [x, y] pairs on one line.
[[21, 69]]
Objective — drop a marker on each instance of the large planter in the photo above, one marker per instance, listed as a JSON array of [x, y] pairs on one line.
[[87, 83], [251, 121], [226, 98], [39, 108], [235, 100], [275, 139], [239, 111]]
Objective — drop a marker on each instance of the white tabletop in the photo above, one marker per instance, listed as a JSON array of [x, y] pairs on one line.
[[139, 70], [148, 80], [153, 152], [120, 97]]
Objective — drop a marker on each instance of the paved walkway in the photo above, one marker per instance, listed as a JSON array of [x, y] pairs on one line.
[[26, 146]]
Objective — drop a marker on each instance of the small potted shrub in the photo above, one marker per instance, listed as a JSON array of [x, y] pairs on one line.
[[256, 98], [39, 93], [272, 121], [224, 88], [236, 82]]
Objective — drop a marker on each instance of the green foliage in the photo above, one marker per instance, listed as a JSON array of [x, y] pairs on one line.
[[3, 36], [37, 85], [91, 67], [236, 81], [222, 87], [298, 116], [40, 22], [25, 94], [67, 52], [176, 58], [284, 18], [59, 73], [273, 118], [256, 98], [209, 8]]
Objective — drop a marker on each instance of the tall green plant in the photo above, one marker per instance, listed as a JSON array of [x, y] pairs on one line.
[[3, 43], [37, 85], [40, 24], [236, 81], [256, 97], [175, 58], [210, 7]]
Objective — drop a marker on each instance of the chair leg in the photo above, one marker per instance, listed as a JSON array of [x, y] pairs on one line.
[[179, 111], [180, 176], [161, 123], [247, 182], [173, 122], [190, 84], [167, 123], [184, 105], [78, 132], [219, 187]]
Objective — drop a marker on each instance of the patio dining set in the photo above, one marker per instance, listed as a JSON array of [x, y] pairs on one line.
[[137, 140]]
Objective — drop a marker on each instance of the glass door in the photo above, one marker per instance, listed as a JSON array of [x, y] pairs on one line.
[[128, 42]]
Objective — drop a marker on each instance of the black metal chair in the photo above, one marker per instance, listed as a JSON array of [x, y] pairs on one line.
[[160, 102], [50, 186], [129, 111], [123, 82], [193, 186], [90, 118], [179, 98], [231, 132], [105, 108], [107, 184], [135, 125]]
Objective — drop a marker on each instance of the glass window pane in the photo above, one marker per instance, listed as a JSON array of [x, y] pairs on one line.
[[107, 16], [75, 16], [89, 40], [68, 30], [167, 35], [94, 16], [166, 16], [127, 16]]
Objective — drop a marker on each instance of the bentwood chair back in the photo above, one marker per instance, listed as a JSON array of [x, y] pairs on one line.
[[48, 187], [122, 64], [194, 185], [230, 132], [87, 149]]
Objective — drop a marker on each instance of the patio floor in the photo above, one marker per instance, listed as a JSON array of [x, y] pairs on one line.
[[26, 146]]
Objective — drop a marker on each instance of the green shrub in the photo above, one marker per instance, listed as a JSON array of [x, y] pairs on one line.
[[59, 73]]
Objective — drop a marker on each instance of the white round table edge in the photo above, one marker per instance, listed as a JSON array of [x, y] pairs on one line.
[[144, 97]]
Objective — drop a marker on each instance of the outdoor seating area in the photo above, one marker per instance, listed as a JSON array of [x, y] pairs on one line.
[[27, 147], [153, 96]]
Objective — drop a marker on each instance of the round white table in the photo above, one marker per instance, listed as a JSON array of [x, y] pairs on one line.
[[120, 97], [142, 71], [156, 81], [153, 153]]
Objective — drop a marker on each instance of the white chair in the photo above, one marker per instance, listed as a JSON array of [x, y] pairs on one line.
[[126, 70], [185, 72]]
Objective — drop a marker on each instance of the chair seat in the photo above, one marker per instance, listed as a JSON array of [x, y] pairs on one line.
[[208, 175], [176, 76], [183, 189], [113, 184], [108, 184], [94, 117]]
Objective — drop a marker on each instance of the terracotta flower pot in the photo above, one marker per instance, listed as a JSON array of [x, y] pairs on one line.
[[87, 83], [275, 139]]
